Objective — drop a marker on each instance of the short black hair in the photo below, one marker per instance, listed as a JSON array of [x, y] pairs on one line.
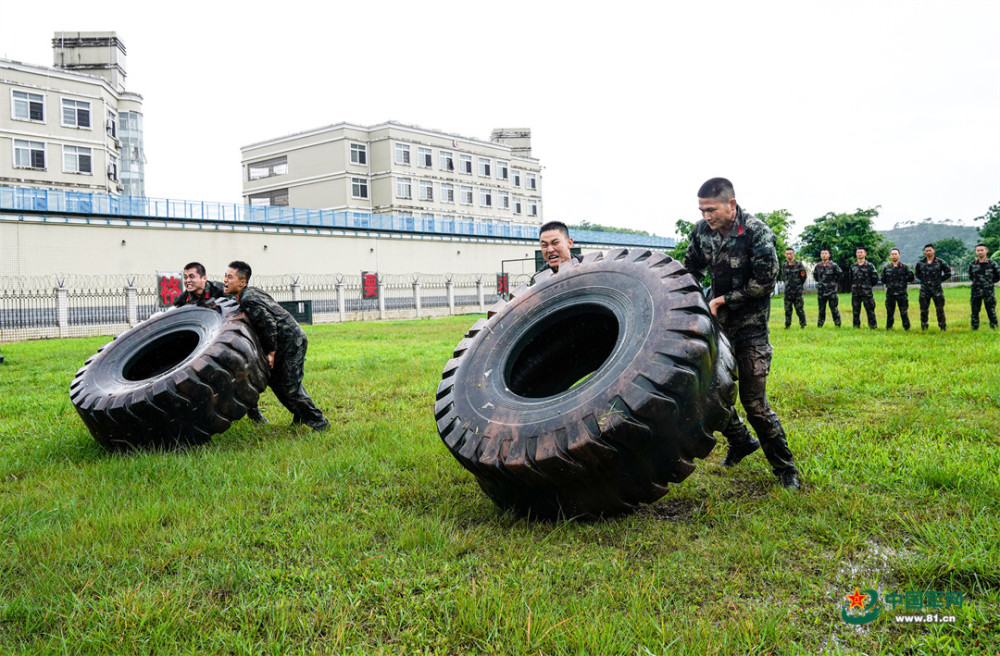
[[893, 249], [197, 266], [983, 245], [789, 249], [242, 269], [859, 247], [717, 188], [554, 225], [929, 246]]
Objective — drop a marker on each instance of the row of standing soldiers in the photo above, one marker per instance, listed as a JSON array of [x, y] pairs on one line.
[[931, 272]]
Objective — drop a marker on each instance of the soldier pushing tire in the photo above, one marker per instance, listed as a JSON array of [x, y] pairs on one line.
[[590, 391], [173, 380]]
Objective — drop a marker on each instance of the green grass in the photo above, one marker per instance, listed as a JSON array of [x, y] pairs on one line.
[[370, 538]]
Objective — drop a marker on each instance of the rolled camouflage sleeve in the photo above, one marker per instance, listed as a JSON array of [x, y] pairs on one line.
[[263, 324], [764, 268]]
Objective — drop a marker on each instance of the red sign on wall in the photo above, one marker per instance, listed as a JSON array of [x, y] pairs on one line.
[[503, 284], [369, 284], [168, 286]]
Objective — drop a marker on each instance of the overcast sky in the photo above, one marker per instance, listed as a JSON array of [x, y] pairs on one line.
[[810, 106]]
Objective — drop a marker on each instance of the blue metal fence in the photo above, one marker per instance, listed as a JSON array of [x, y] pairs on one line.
[[74, 202]]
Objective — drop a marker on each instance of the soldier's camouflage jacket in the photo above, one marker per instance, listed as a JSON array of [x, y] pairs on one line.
[[213, 290], [794, 275], [826, 277], [272, 323], [863, 277], [896, 278], [931, 275], [983, 276], [743, 266]]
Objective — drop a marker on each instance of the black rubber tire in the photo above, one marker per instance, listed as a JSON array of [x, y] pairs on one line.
[[663, 381], [173, 380]]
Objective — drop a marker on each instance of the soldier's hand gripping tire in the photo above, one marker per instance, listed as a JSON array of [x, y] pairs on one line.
[[173, 380], [591, 390]]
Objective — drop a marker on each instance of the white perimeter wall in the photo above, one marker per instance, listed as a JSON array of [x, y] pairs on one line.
[[29, 247]]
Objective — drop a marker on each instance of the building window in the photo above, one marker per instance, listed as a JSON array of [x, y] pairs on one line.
[[276, 198], [404, 188], [529, 181], [403, 154], [29, 154], [484, 167], [465, 164], [447, 193], [465, 195], [503, 200], [426, 190], [517, 205], [113, 167], [268, 168], [533, 209], [359, 155], [359, 187], [517, 177], [486, 198], [75, 113], [425, 158], [29, 106], [446, 161], [501, 170], [76, 160]]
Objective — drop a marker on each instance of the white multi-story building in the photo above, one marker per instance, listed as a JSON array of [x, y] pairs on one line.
[[398, 169], [72, 126]]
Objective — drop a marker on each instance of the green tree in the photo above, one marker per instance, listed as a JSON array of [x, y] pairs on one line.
[[683, 229], [952, 251], [780, 222], [989, 234], [842, 234], [597, 227]]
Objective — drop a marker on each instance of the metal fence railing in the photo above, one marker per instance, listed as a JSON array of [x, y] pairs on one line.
[[143, 208], [72, 305]]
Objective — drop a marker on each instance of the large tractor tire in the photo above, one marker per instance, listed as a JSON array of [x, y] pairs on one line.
[[173, 380], [590, 391]]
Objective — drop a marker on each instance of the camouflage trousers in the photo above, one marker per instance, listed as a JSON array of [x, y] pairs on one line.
[[990, 302], [925, 305], [794, 301], [858, 299], [891, 302], [286, 382], [833, 300], [754, 363]]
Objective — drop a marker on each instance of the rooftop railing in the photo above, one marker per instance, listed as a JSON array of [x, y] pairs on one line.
[[139, 207]]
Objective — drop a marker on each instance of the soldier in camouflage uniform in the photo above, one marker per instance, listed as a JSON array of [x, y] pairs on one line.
[[283, 341], [738, 251], [794, 275], [864, 276], [199, 290], [827, 275], [896, 276], [984, 274], [932, 272]]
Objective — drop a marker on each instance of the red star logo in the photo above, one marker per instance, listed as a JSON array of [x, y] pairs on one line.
[[857, 599]]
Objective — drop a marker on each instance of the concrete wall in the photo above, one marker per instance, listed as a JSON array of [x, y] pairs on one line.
[[47, 244]]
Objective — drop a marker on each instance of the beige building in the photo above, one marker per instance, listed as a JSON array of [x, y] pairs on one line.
[[72, 126], [398, 169]]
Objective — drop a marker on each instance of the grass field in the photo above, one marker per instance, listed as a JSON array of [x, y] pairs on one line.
[[371, 539]]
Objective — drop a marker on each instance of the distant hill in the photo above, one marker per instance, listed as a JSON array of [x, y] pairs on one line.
[[910, 236]]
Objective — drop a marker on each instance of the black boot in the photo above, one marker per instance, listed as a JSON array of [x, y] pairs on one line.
[[254, 415]]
